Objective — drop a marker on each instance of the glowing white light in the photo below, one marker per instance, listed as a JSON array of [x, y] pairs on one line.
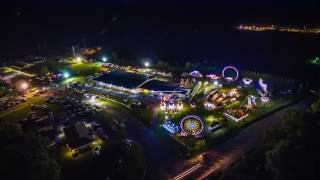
[[163, 106], [215, 83], [171, 105], [196, 74], [247, 81], [213, 76], [263, 85], [146, 64], [78, 58], [66, 75], [265, 99], [24, 86], [104, 59]]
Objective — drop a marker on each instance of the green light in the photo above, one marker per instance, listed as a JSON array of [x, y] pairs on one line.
[[315, 61]]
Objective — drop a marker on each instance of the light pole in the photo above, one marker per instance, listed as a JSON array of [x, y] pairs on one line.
[[146, 64], [73, 51]]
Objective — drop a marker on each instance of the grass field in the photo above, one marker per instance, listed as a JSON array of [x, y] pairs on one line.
[[80, 79]]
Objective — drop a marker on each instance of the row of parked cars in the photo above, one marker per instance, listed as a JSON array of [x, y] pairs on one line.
[[8, 102]]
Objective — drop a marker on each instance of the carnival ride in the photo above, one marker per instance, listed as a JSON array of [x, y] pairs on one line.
[[247, 81], [243, 111], [213, 76], [191, 125], [263, 91], [196, 74], [171, 127], [171, 105], [217, 99], [228, 77]]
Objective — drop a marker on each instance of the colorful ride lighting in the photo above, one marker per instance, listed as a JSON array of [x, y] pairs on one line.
[[172, 128], [233, 92], [163, 106], [265, 99], [171, 106], [228, 78], [213, 76], [196, 74], [247, 81], [209, 105], [191, 125], [180, 106], [264, 86]]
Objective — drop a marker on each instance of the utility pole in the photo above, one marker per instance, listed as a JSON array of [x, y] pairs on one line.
[[73, 51]]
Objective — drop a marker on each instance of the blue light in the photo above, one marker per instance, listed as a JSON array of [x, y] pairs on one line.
[[172, 128], [191, 125]]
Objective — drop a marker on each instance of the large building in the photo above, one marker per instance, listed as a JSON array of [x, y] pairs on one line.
[[138, 83], [78, 137]]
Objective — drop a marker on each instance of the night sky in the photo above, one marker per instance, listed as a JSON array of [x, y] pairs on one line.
[[195, 31]]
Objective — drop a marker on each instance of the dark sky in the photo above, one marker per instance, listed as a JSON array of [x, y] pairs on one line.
[[124, 24]]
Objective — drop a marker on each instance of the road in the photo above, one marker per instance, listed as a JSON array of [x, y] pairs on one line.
[[227, 153]]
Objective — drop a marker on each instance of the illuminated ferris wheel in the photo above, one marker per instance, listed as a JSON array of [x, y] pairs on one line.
[[191, 125], [230, 78]]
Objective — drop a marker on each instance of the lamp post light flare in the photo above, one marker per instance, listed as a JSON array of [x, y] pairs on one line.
[[146, 64], [24, 86]]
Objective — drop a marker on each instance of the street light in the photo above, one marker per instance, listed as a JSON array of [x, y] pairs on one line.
[[24, 86], [104, 59], [78, 58], [66, 75], [146, 64]]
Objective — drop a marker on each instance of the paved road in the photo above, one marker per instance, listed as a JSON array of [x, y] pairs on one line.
[[227, 153]]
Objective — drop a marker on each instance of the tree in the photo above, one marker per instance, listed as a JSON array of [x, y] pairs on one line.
[[24, 156], [44, 70], [316, 106], [290, 151]]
